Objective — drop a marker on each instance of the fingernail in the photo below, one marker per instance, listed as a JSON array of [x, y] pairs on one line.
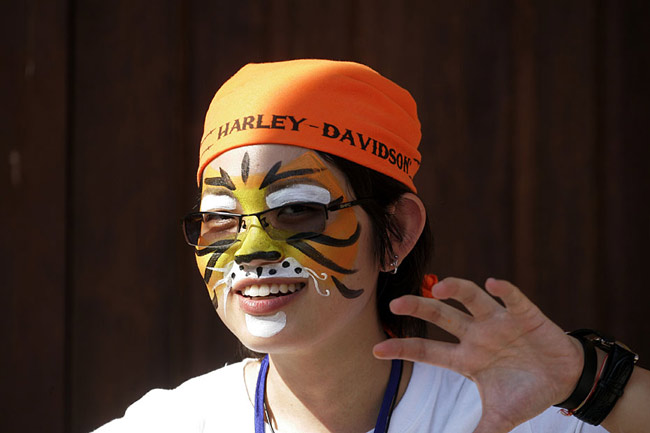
[[378, 351]]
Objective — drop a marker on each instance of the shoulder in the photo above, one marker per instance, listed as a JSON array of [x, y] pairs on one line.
[[217, 384], [192, 406]]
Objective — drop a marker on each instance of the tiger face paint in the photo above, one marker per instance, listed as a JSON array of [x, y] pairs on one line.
[[260, 278]]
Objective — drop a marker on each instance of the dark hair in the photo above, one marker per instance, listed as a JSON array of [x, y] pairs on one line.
[[385, 191]]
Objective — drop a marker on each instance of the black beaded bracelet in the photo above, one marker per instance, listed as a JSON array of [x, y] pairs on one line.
[[588, 376]]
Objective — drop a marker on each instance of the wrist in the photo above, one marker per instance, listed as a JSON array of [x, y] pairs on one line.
[[616, 364], [585, 382]]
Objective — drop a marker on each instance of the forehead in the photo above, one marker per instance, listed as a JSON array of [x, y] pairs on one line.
[[269, 167]]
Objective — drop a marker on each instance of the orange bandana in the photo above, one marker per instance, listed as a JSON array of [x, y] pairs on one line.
[[342, 108]]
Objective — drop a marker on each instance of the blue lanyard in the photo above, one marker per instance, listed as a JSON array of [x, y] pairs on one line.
[[387, 405]]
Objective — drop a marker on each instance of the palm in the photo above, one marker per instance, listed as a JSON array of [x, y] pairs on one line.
[[521, 362]]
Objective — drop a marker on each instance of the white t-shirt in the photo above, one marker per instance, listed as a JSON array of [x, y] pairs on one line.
[[436, 400]]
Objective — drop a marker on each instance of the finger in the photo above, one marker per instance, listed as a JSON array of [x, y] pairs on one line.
[[418, 350], [514, 300], [476, 300], [433, 311]]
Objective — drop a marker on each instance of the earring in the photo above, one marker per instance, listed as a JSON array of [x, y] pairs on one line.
[[394, 264]]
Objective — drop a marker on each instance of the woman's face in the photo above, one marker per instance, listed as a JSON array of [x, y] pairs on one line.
[[292, 277]]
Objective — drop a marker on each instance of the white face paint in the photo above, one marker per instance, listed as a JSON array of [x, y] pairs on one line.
[[288, 268], [266, 326], [298, 193], [212, 202]]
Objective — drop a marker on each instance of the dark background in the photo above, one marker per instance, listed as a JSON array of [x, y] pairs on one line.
[[534, 114]]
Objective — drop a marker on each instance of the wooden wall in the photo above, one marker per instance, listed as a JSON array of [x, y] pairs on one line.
[[535, 121]]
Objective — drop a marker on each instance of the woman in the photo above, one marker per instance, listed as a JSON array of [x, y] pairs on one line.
[[308, 236]]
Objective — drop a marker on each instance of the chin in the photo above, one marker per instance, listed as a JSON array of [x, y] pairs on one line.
[[283, 342], [264, 345]]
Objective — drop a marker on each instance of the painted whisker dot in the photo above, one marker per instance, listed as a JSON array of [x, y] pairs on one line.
[[285, 264], [272, 271], [241, 267], [233, 275], [298, 270]]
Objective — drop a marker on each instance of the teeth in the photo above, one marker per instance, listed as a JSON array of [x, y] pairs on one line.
[[264, 290], [269, 289]]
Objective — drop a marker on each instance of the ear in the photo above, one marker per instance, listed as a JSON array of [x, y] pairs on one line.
[[410, 216]]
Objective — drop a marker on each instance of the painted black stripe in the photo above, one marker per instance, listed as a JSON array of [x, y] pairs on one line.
[[327, 240], [274, 176], [245, 167], [216, 249], [224, 180], [258, 255], [211, 263], [218, 246], [316, 256], [347, 293]]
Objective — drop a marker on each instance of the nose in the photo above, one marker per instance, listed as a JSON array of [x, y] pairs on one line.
[[256, 246]]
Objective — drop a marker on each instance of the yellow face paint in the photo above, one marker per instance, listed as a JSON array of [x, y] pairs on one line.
[[325, 257]]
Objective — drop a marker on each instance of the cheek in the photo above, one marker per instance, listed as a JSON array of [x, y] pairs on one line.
[[211, 267], [349, 231], [328, 260], [334, 252]]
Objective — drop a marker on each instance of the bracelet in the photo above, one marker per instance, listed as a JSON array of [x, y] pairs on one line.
[[588, 376], [616, 373]]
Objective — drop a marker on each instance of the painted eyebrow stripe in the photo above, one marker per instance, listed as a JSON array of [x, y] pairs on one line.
[[298, 193], [224, 180], [220, 202], [274, 176]]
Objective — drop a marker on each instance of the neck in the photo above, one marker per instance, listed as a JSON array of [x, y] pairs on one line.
[[337, 393], [338, 388]]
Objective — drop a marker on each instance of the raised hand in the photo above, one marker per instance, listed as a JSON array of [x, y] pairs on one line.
[[521, 362]]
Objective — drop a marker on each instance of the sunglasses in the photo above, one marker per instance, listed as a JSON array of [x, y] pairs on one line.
[[295, 220]]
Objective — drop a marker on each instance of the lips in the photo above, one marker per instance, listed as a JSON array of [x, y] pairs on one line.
[[262, 298]]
